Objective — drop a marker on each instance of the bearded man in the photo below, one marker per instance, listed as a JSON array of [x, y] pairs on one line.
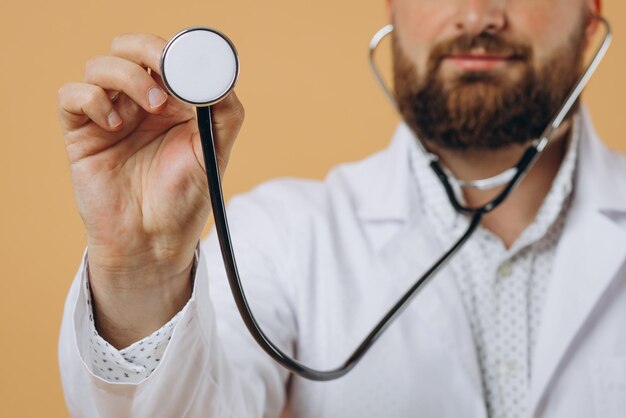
[[527, 320]]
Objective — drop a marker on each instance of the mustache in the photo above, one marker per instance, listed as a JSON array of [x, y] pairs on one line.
[[487, 43]]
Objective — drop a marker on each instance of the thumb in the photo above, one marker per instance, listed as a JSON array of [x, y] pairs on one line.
[[227, 118]]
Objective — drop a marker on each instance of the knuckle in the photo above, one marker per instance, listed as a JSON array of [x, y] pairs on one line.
[[239, 113], [91, 64], [158, 41], [64, 94], [61, 92], [151, 39], [130, 77], [222, 160], [125, 42], [118, 41], [232, 113], [92, 95]]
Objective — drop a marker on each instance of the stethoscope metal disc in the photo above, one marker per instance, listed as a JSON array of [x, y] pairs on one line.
[[199, 66]]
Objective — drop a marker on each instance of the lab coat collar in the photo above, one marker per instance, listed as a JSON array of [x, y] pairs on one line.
[[588, 258], [600, 180], [386, 189], [384, 183]]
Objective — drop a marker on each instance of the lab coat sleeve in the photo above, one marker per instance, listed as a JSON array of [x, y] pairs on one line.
[[133, 363], [211, 366]]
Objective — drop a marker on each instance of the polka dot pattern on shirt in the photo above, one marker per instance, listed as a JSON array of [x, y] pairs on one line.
[[135, 362], [503, 290]]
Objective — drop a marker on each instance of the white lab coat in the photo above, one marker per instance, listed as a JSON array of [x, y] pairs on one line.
[[323, 261]]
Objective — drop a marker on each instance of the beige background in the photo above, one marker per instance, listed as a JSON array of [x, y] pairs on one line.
[[311, 103]]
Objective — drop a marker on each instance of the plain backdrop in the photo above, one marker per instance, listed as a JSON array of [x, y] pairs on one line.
[[310, 100]]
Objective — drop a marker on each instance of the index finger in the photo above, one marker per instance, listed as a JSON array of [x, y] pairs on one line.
[[142, 49]]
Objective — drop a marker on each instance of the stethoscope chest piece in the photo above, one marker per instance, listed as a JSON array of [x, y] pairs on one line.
[[199, 66]]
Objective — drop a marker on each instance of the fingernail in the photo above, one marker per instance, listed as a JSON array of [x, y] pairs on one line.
[[156, 97], [114, 119]]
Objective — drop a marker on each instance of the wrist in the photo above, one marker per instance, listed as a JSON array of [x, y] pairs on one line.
[[143, 265], [130, 304]]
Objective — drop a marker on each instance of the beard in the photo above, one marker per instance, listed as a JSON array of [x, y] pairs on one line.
[[482, 110]]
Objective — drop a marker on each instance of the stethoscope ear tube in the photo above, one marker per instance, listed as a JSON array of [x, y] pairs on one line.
[[511, 177], [533, 152]]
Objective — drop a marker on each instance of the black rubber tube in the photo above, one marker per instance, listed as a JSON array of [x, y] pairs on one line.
[[223, 233]]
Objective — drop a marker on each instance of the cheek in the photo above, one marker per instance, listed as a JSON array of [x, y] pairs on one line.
[[533, 25], [418, 25], [546, 27]]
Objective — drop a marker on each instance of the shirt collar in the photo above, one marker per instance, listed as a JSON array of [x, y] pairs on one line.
[[386, 187], [447, 222], [600, 180]]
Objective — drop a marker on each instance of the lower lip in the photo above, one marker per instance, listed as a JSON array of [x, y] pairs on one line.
[[478, 64]]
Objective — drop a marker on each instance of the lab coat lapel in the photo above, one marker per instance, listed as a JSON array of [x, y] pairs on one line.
[[441, 306], [391, 199], [590, 252], [438, 305]]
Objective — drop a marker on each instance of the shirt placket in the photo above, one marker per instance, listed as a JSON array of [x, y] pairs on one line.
[[509, 349], [494, 285]]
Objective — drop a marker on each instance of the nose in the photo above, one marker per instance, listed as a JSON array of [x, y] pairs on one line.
[[481, 16]]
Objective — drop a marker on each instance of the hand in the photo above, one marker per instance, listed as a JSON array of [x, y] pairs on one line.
[[137, 168]]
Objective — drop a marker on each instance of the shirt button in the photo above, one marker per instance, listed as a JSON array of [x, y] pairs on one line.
[[508, 369], [505, 269]]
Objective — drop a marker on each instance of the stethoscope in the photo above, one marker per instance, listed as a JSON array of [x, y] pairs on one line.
[[200, 66]]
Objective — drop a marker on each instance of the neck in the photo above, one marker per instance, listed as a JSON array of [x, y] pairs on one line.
[[519, 210]]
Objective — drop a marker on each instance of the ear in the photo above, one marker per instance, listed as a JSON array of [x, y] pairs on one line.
[[594, 8], [389, 10]]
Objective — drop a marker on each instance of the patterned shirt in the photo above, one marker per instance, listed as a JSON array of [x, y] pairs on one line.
[[135, 362], [503, 290]]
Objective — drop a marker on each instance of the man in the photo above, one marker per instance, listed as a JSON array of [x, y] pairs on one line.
[[525, 321]]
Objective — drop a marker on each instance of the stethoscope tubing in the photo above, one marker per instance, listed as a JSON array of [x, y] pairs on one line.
[[223, 233], [230, 265]]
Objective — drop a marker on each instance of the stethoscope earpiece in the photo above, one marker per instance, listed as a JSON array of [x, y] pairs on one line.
[[199, 66]]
